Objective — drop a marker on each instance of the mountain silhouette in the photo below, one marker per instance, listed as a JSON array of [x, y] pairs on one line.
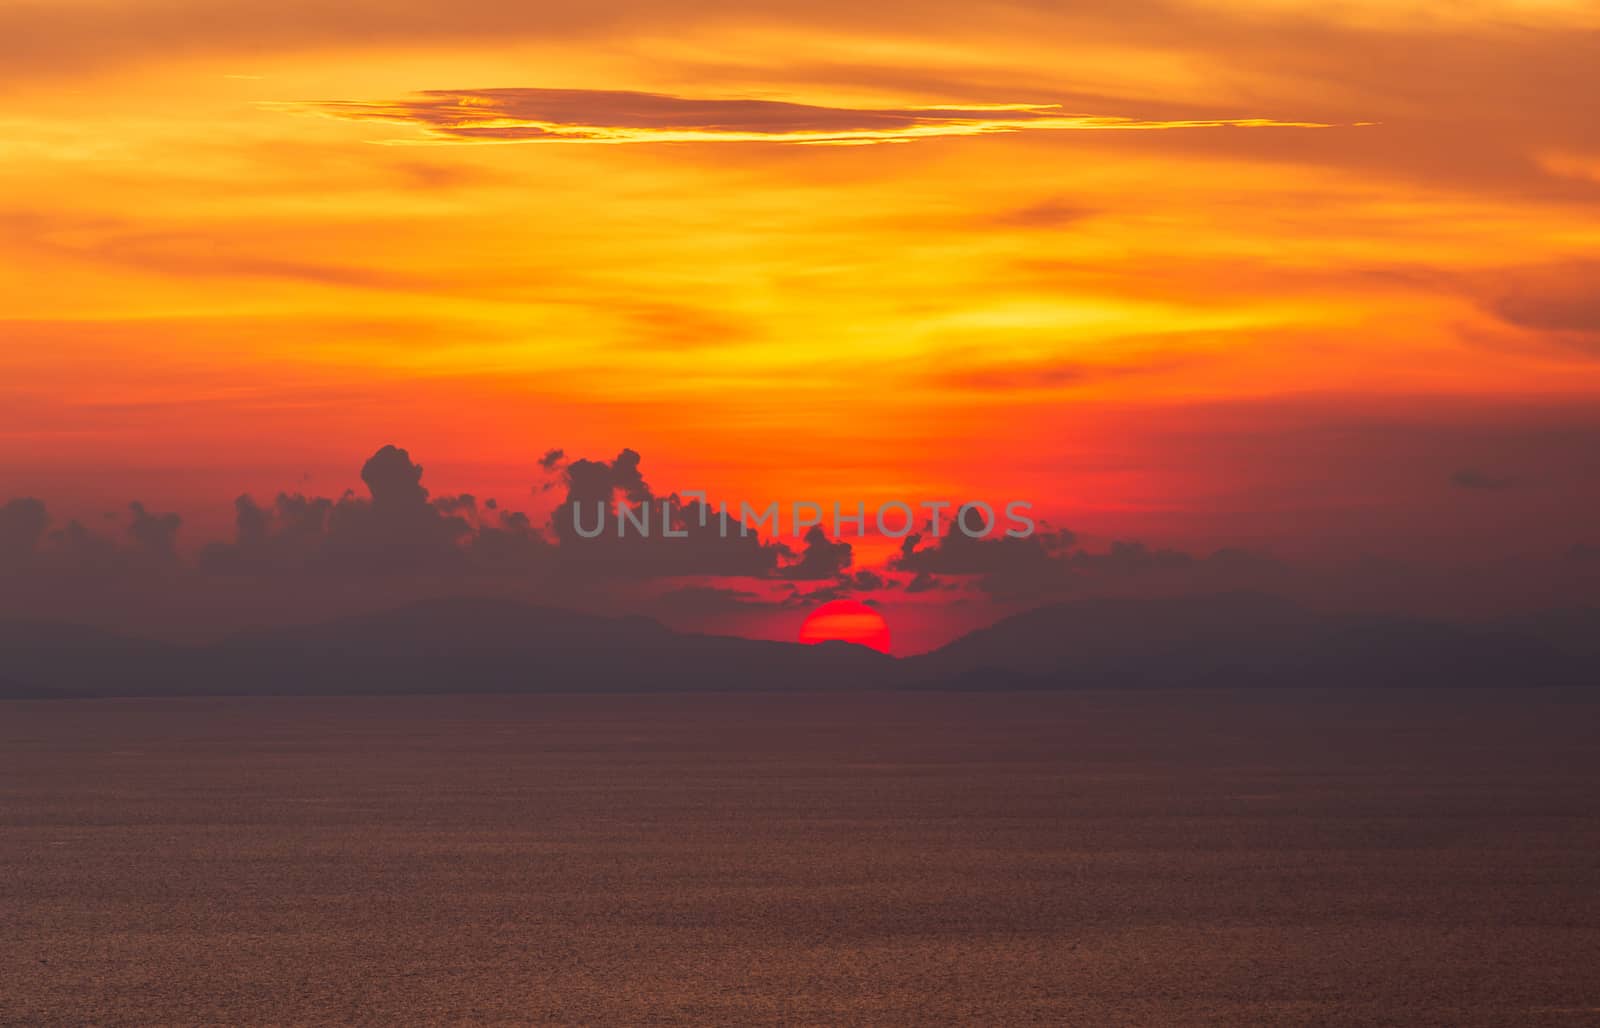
[[460, 645], [1255, 639], [478, 645]]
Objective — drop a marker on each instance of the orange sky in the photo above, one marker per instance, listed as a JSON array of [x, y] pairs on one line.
[[1185, 271]]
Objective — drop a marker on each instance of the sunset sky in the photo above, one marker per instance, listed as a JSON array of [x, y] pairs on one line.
[[1308, 280]]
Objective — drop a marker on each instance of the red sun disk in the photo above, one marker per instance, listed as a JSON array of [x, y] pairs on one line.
[[846, 621]]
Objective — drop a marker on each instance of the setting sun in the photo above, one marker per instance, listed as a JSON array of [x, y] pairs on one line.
[[846, 621]]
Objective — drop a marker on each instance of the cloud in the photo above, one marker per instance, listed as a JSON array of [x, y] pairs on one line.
[[1560, 304], [714, 600], [923, 582], [1049, 565], [74, 551], [511, 544], [821, 558], [598, 482], [709, 601], [22, 526], [1472, 93], [1001, 565], [465, 505], [817, 597], [1572, 309], [33, 553], [867, 580], [400, 529], [398, 541], [525, 115], [1473, 479], [155, 534], [289, 534], [1053, 213], [1057, 374], [959, 554], [397, 528], [595, 542]]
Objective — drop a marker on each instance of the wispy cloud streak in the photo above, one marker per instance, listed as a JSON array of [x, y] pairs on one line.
[[610, 116]]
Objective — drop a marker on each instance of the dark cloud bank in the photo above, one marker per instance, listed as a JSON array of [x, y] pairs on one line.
[[399, 590], [400, 531]]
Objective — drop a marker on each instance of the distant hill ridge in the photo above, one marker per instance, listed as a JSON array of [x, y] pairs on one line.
[[469, 645]]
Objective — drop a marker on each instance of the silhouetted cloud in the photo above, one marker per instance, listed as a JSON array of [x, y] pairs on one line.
[[397, 528], [155, 534], [289, 534], [465, 505], [820, 559], [866, 580], [33, 553], [76, 550], [923, 582], [596, 484], [1472, 478], [1049, 565], [959, 554], [616, 116], [22, 526], [597, 541], [399, 542], [511, 544], [710, 601], [1001, 566]]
